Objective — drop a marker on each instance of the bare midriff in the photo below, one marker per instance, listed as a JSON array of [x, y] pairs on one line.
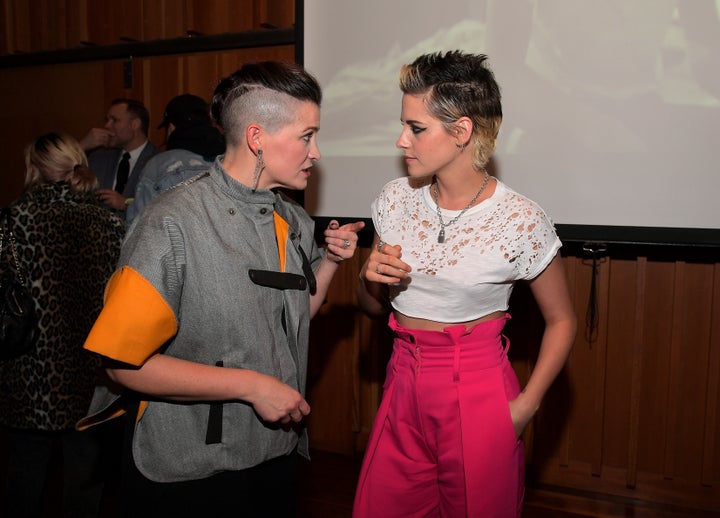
[[431, 325]]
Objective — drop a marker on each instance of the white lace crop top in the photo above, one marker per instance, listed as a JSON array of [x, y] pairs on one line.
[[505, 238]]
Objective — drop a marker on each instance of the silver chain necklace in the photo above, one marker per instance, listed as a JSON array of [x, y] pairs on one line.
[[441, 234]]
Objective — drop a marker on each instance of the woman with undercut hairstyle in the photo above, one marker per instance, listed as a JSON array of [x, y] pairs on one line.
[[205, 324]]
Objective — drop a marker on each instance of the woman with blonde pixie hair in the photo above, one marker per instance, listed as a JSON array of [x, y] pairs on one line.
[[67, 246], [450, 243]]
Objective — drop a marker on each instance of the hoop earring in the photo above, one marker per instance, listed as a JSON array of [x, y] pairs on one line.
[[259, 166], [461, 146]]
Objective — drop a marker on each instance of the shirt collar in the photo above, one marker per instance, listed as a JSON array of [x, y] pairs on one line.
[[135, 153]]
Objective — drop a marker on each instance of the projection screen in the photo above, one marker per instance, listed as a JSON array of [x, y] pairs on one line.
[[611, 109]]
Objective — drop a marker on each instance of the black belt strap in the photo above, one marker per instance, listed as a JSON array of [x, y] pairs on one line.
[[215, 417]]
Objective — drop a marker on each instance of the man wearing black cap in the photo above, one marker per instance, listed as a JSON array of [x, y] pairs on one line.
[[192, 145]]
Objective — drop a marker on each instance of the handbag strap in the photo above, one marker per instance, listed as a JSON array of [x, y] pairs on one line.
[[7, 224]]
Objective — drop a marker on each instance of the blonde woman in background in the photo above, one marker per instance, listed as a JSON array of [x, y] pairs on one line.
[[67, 245]]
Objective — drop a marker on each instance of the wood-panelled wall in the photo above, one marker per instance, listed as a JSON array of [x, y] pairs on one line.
[[635, 413], [74, 97], [40, 25]]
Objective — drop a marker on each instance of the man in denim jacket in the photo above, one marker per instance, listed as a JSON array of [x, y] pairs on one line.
[[192, 145]]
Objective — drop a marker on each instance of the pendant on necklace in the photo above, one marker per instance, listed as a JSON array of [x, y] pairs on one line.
[[441, 235]]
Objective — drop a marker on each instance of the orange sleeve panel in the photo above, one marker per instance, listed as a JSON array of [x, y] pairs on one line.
[[115, 410], [281, 232], [135, 321]]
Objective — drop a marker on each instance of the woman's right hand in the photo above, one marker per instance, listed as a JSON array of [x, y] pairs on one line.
[[385, 264], [275, 401]]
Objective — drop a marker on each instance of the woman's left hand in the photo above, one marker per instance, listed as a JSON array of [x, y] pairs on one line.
[[520, 413], [341, 241]]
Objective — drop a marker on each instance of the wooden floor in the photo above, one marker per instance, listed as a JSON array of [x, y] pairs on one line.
[[327, 485]]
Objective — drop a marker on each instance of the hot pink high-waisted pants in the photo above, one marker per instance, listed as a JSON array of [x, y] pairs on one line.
[[443, 443]]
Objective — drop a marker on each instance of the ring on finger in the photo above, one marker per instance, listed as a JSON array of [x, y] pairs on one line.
[[379, 246], [377, 269], [346, 244]]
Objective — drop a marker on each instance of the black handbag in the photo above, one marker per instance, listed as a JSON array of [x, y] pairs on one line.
[[18, 320]]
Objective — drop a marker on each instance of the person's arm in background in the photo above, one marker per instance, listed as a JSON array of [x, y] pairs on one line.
[[95, 138]]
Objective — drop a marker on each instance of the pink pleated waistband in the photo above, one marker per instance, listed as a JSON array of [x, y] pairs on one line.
[[455, 347]]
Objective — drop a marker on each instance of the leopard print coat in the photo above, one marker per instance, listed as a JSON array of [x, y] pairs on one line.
[[68, 245]]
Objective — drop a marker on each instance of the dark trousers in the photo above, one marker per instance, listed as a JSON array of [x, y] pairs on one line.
[[264, 491], [29, 459]]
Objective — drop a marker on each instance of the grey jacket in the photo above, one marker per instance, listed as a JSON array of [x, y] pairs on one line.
[[196, 245]]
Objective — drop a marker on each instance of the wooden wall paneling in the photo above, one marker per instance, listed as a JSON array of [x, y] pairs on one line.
[[77, 23], [164, 19], [57, 24], [374, 350], [202, 74], [658, 317], [692, 346], [618, 370], [231, 61], [373, 369], [347, 366], [163, 77], [40, 31], [711, 442], [8, 27], [333, 353], [364, 413], [674, 381], [354, 402], [126, 21], [637, 350], [366, 397], [600, 365], [586, 369], [220, 16], [30, 107], [100, 28], [41, 18], [114, 22], [275, 13], [570, 402], [23, 41]]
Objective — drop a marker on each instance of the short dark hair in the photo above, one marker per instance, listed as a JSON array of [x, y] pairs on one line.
[[137, 109], [268, 82]]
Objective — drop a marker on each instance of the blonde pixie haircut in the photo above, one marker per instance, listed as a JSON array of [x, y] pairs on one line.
[[57, 157], [455, 85]]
